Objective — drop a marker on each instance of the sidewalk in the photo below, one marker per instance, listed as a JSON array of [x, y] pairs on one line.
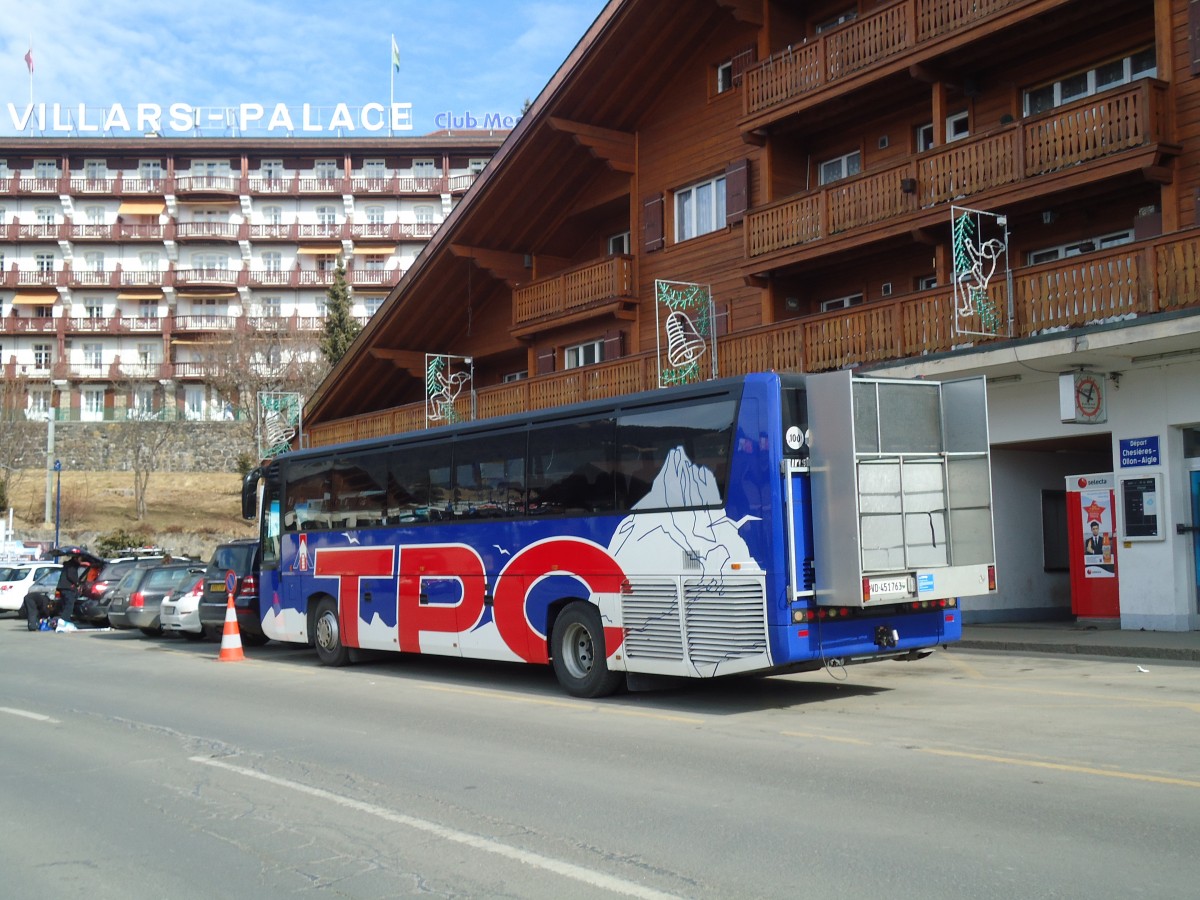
[[1081, 638]]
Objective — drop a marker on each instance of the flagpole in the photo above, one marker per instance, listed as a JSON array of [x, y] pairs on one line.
[[29, 65], [392, 71]]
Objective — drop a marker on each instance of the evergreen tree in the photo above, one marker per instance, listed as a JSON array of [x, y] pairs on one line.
[[340, 327]]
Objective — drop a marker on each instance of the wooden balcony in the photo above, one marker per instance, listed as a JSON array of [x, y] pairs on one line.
[[207, 323], [213, 231], [1125, 283], [592, 289], [214, 185], [905, 33], [1126, 122], [207, 277]]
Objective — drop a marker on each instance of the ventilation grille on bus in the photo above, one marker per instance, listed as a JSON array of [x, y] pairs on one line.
[[724, 621], [651, 613]]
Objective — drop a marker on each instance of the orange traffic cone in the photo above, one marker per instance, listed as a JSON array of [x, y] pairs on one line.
[[231, 637]]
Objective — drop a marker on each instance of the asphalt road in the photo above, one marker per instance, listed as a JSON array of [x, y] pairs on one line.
[[139, 767]]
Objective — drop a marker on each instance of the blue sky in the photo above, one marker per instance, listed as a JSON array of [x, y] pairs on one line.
[[456, 56]]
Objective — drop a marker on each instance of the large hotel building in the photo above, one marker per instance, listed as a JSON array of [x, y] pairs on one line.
[[136, 271]]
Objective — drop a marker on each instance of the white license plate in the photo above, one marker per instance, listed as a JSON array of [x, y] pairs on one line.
[[888, 586]]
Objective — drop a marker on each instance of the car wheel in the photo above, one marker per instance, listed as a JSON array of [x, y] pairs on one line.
[[577, 648], [328, 636]]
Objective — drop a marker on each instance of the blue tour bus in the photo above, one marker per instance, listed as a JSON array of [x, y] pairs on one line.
[[768, 523]]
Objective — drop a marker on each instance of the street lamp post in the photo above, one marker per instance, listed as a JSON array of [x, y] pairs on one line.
[[58, 497]]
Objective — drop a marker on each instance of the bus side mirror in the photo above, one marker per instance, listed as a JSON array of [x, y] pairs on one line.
[[250, 493]]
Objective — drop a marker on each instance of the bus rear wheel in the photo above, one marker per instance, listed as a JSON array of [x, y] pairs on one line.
[[578, 654], [327, 636]]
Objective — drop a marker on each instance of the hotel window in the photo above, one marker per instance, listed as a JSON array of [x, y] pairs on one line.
[[272, 215], [94, 261], [272, 307], [374, 215], [41, 356], [372, 304], [148, 310], [319, 305], [1077, 248], [94, 215], [43, 312], [423, 215], [44, 262], [700, 208], [424, 168], [1114, 73], [46, 215], [93, 356], [93, 404], [95, 169], [148, 354], [143, 402], [583, 354], [94, 309], [840, 167], [148, 260], [150, 170], [193, 403], [38, 404], [325, 168], [211, 261], [956, 129], [618, 244], [326, 215], [45, 168], [271, 169], [374, 262], [374, 168], [272, 261], [475, 166], [841, 302]]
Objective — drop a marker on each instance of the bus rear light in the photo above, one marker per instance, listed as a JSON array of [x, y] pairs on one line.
[[949, 617], [866, 589], [803, 632], [991, 578]]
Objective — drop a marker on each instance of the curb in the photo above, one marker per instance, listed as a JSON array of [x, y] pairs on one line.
[[1179, 654]]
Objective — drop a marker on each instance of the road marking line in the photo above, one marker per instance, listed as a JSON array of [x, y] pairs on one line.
[[1065, 767], [827, 737], [568, 870], [1108, 699], [25, 714]]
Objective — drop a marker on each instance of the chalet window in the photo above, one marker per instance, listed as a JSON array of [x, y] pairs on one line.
[[585, 354], [1113, 73], [841, 302], [1077, 248], [926, 282], [725, 77], [515, 376], [834, 21], [618, 244], [700, 208], [840, 167], [957, 127]]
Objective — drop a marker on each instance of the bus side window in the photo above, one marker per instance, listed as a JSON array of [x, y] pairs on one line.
[[572, 468]]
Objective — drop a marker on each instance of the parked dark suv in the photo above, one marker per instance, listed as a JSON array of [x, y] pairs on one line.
[[242, 558]]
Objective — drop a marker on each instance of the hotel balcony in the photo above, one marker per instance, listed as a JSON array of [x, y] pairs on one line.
[[117, 185], [208, 185], [17, 277], [1117, 132], [94, 325], [206, 277], [882, 43], [597, 288], [368, 278], [205, 323], [392, 231], [212, 231], [1132, 282], [17, 323]]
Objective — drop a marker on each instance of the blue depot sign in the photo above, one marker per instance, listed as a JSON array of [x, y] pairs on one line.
[[1139, 452]]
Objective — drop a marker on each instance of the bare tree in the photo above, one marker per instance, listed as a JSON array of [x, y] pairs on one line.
[[149, 426]]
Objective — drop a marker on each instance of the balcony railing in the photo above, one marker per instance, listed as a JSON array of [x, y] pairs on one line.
[[1098, 127], [206, 277], [223, 231], [207, 184], [1121, 284], [206, 323], [577, 289], [855, 47]]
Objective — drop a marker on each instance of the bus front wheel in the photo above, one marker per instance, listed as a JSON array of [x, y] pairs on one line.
[[327, 636], [578, 654]]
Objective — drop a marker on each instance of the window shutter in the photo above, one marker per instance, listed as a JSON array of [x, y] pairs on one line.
[[614, 344], [1194, 35], [737, 190], [545, 361], [652, 223]]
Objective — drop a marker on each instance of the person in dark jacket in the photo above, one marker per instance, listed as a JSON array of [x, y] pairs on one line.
[[75, 563]]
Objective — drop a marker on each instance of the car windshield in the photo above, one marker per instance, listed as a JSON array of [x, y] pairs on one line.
[[114, 572], [7, 573], [162, 579]]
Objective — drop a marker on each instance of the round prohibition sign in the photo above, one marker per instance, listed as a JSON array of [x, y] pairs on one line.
[[230, 581]]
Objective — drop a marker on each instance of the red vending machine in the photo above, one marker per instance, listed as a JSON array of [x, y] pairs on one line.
[[1092, 536]]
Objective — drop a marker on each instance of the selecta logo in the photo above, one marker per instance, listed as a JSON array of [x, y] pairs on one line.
[[1083, 482], [413, 565]]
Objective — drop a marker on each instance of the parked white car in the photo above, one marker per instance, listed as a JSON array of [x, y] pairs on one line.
[[180, 610], [15, 581]]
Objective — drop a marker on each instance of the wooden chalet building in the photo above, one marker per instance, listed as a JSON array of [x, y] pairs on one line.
[[803, 160]]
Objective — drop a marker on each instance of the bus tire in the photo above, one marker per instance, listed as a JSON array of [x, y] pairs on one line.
[[578, 653], [327, 636]]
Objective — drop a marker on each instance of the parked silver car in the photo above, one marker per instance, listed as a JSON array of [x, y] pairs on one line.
[[137, 599]]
